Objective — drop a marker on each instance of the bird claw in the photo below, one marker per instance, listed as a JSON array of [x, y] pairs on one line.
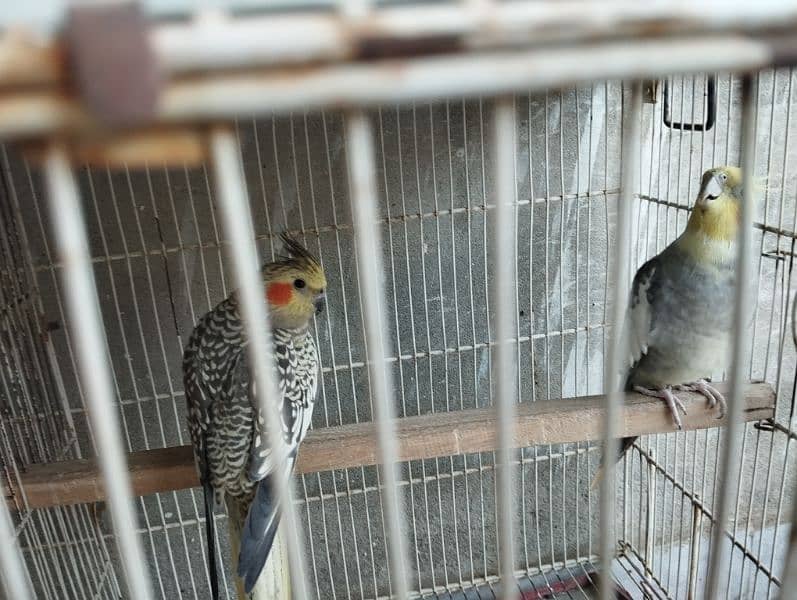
[[712, 395], [673, 402]]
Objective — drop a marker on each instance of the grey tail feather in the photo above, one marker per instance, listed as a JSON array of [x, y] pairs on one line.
[[210, 528], [258, 534], [626, 443]]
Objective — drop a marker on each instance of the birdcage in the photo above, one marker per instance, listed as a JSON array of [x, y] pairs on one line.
[[480, 182]]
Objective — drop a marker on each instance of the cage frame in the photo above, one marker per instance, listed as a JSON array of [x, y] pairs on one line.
[[507, 48]]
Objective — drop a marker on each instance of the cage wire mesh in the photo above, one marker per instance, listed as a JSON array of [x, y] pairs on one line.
[[671, 482], [159, 263]]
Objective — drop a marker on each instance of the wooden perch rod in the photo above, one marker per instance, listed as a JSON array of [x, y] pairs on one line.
[[423, 437]]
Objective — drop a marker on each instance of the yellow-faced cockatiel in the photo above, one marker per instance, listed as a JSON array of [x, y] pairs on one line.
[[678, 324], [227, 428]]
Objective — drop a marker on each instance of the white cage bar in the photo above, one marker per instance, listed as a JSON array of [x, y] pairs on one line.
[[729, 474], [83, 307], [237, 223], [204, 43], [620, 344], [360, 146], [15, 580], [505, 370], [433, 78], [500, 51]]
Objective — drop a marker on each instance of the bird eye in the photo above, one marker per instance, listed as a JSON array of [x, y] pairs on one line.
[[299, 283], [723, 176]]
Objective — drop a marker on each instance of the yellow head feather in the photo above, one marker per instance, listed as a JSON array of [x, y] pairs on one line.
[[295, 286], [718, 204]]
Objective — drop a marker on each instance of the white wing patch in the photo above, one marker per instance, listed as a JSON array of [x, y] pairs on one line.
[[638, 318], [296, 369]]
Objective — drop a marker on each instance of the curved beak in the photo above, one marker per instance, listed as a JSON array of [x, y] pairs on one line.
[[320, 302], [712, 189]]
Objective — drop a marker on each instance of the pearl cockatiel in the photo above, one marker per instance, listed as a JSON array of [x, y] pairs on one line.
[[227, 428]]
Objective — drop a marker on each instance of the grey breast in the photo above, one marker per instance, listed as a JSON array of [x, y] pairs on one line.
[[691, 314]]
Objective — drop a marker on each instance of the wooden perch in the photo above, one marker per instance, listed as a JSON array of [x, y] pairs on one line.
[[426, 436]]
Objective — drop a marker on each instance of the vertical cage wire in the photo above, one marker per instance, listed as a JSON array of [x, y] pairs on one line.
[[619, 345], [756, 537], [729, 478], [474, 212], [340, 510], [35, 400], [671, 473], [402, 372], [360, 153], [83, 306], [116, 282], [15, 578], [350, 477], [756, 112], [781, 337], [237, 224], [790, 564], [207, 249]]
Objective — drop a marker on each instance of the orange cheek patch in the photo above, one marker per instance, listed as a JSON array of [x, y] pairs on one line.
[[279, 293]]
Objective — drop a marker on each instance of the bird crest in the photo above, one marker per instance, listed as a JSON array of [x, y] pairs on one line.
[[296, 257]]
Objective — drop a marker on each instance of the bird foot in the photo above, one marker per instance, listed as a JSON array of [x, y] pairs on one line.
[[712, 394], [672, 401]]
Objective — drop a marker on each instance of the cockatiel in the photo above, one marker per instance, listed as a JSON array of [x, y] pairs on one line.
[[678, 325], [227, 429]]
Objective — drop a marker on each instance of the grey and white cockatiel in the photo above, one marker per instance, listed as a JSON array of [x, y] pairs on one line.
[[678, 325], [227, 428]]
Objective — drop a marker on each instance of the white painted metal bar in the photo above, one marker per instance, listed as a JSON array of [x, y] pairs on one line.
[[790, 565], [383, 82], [236, 221], [729, 474], [756, 309], [504, 311], [102, 561], [445, 377], [215, 41], [783, 342], [618, 348], [790, 573], [328, 405], [360, 155], [523, 485], [412, 532], [15, 579], [350, 362], [322, 390], [83, 310], [459, 328], [117, 378], [277, 39]]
